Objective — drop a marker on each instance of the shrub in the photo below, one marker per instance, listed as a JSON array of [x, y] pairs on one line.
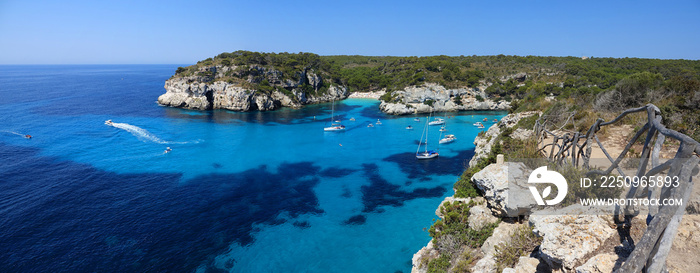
[[439, 265], [522, 242]]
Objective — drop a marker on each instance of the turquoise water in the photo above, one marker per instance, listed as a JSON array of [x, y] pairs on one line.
[[239, 192]]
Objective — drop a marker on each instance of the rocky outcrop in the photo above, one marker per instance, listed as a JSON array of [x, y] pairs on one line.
[[484, 142], [524, 265], [521, 134], [432, 97], [571, 234], [501, 235], [503, 186], [451, 199], [201, 92], [424, 254], [601, 263]]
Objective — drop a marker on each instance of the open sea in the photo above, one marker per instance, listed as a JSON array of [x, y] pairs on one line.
[[239, 192]]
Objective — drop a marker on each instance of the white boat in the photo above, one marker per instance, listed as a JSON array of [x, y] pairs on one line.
[[426, 154], [352, 119], [478, 124], [334, 126], [443, 129], [370, 125], [409, 127], [416, 119], [378, 122], [448, 139], [109, 122], [437, 121]]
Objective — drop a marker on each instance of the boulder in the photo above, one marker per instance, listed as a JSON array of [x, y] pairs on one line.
[[524, 265], [571, 233], [601, 263], [498, 182], [480, 216]]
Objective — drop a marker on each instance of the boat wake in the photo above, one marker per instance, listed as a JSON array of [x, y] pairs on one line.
[[14, 133], [145, 135]]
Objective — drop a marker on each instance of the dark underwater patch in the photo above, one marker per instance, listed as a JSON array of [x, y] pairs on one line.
[[382, 193], [302, 224], [62, 215], [346, 192], [334, 172], [423, 169], [356, 220]]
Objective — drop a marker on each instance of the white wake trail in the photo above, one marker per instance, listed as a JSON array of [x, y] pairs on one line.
[[11, 132], [145, 135]]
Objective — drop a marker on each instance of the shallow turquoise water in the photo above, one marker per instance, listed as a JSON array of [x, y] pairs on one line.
[[242, 192]]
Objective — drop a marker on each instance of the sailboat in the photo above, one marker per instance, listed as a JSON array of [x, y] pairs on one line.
[[425, 154], [335, 126]]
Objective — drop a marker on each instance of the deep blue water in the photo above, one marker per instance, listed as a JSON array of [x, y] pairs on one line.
[[240, 192]]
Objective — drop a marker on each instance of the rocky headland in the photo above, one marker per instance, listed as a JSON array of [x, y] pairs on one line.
[[205, 93], [431, 97], [202, 91]]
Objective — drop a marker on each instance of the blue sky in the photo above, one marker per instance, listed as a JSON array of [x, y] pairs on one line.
[[183, 32]]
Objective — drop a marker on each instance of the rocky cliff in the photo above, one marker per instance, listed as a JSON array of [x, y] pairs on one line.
[[484, 142], [202, 91], [436, 98]]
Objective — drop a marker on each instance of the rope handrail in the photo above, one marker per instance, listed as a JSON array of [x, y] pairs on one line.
[[651, 251]]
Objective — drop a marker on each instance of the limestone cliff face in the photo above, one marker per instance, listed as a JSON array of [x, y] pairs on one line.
[[203, 93], [416, 99], [484, 142]]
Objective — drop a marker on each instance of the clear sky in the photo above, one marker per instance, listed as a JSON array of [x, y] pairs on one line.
[[183, 32]]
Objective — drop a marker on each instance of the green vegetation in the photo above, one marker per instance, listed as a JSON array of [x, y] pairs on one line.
[[522, 242], [453, 237], [604, 84]]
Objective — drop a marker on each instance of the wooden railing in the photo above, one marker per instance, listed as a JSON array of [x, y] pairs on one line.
[[650, 253]]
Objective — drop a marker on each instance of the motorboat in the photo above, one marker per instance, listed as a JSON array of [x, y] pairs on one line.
[[370, 125], [443, 129], [334, 127], [437, 121], [416, 119], [378, 122], [478, 124], [109, 122], [409, 127], [448, 139]]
